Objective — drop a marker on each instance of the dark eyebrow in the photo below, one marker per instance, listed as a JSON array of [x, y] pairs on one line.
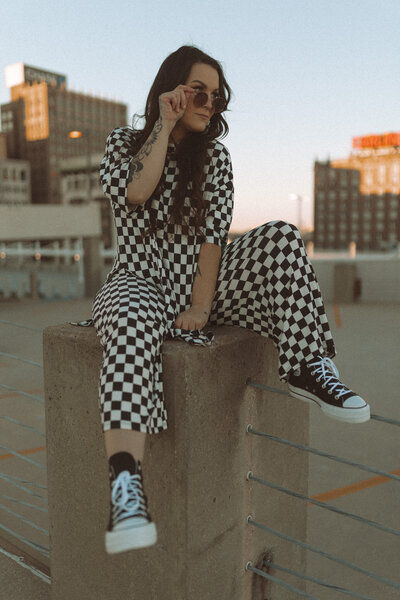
[[203, 84]]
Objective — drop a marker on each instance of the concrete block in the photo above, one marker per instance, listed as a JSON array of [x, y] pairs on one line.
[[343, 285], [92, 265], [194, 473]]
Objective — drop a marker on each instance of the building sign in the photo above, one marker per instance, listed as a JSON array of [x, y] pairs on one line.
[[21, 73], [376, 141]]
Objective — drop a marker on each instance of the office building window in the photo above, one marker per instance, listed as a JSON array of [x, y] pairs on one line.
[[368, 177], [394, 201], [343, 178], [332, 195], [332, 176], [380, 202], [395, 172], [355, 178]]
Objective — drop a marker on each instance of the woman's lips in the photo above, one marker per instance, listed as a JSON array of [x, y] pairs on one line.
[[204, 116]]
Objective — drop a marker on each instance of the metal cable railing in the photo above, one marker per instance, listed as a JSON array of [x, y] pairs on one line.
[[268, 388], [288, 586], [17, 482], [21, 393], [20, 424], [25, 360], [337, 588], [368, 522], [344, 461], [323, 505], [320, 552]]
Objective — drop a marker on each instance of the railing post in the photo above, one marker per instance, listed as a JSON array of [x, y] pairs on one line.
[[92, 265]]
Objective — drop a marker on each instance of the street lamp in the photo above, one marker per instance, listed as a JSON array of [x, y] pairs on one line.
[[299, 213], [79, 134]]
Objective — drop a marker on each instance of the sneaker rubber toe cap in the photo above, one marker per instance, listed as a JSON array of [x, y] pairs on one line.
[[354, 402]]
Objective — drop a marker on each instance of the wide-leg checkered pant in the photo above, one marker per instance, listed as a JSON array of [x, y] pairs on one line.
[[266, 283]]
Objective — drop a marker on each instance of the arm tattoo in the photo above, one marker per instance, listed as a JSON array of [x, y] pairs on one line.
[[136, 165]]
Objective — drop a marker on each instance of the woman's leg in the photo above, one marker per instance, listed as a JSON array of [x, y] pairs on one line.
[[266, 283], [129, 316], [124, 440]]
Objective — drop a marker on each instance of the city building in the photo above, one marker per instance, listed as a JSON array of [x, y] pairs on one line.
[[15, 181], [3, 145], [357, 199], [75, 189], [39, 118]]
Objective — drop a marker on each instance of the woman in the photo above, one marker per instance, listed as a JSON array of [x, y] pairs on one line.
[[171, 189]]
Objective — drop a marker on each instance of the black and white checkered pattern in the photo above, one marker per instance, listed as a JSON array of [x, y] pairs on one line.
[[265, 283]]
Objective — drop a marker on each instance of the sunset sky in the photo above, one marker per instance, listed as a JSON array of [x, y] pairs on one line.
[[307, 75]]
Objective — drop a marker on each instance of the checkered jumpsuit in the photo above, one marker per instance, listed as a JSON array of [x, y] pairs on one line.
[[265, 283]]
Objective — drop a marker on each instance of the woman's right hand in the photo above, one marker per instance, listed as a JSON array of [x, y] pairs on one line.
[[173, 104]]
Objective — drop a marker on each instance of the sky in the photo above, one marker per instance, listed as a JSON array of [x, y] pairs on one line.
[[307, 76]]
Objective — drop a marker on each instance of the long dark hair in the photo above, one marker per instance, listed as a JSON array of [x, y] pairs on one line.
[[191, 152]]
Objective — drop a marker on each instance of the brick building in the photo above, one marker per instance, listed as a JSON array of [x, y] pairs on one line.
[[38, 119], [357, 199]]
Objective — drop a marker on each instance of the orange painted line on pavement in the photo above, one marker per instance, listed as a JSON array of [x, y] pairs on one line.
[[11, 394], [336, 312], [354, 487], [28, 451]]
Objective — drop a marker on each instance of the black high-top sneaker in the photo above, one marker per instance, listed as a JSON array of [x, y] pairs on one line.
[[318, 382], [130, 525]]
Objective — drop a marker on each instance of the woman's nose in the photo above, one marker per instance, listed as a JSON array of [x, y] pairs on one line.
[[209, 102]]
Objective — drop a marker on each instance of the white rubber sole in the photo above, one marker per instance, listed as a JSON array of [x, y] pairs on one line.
[[130, 538], [346, 415]]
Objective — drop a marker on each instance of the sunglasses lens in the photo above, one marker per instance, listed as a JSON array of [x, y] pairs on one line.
[[219, 105], [201, 99]]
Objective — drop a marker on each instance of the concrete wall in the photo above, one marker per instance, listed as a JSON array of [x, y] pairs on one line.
[[194, 473], [380, 278], [48, 221], [36, 284]]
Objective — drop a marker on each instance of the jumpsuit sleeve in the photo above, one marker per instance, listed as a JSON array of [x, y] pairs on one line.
[[115, 168], [220, 209]]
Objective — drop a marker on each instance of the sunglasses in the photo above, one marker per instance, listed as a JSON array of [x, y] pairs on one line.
[[201, 98]]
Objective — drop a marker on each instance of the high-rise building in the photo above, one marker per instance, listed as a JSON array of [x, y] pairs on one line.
[[357, 199], [38, 119], [15, 185]]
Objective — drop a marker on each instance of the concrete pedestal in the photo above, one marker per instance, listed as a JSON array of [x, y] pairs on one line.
[[343, 282], [194, 473]]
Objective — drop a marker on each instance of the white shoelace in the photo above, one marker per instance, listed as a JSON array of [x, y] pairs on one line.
[[327, 370], [126, 495]]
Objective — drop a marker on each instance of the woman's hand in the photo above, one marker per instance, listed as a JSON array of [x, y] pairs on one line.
[[193, 318], [173, 104]]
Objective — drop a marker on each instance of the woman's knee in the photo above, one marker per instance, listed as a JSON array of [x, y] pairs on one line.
[[284, 227]]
